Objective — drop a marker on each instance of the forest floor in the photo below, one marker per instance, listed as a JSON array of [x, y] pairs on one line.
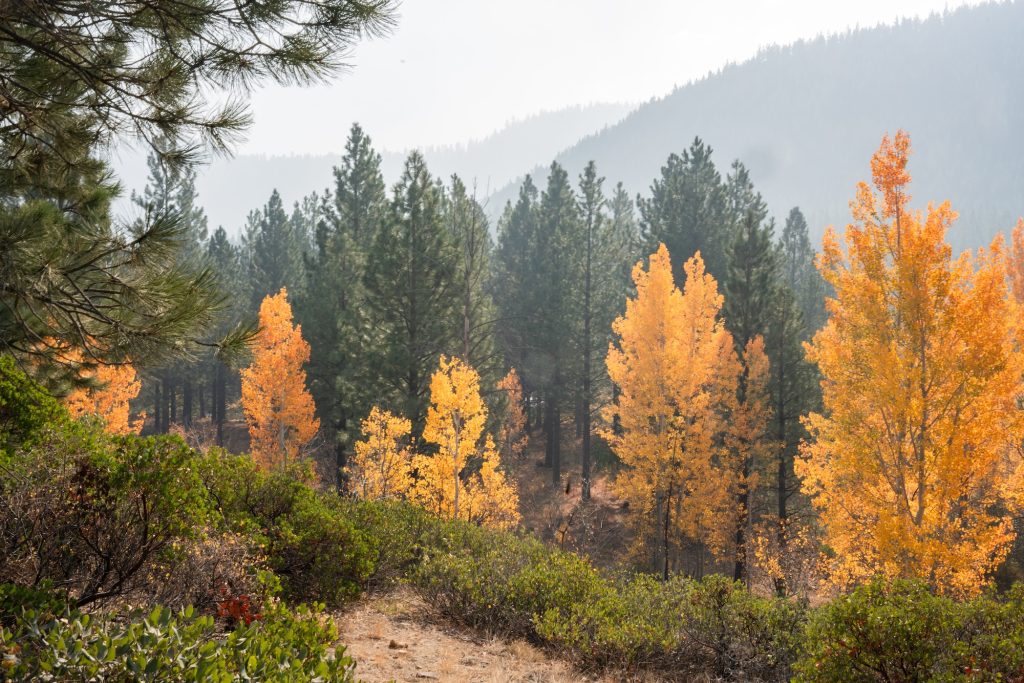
[[397, 637]]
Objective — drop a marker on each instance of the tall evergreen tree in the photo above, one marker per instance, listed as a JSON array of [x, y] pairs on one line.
[[516, 290], [799, 272], [474, 323], [333, 310], [688, 210], [409, 280], [277, 253], [558, 282], [129, 68], [223, 259], [750, 290]]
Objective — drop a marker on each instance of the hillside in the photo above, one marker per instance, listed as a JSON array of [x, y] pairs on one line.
[[230, 188], [804, 117]]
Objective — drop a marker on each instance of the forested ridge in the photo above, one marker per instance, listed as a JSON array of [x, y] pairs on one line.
[[664, 434], [803, 117]]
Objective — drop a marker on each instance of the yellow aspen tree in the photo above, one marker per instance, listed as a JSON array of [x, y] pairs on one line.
[[462, 479], [674, 364], [513, 429], [115, 386], [278, 407], [382, 464], [913, 461]]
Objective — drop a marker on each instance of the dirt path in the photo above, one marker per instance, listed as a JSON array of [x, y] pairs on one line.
[[397, 637]]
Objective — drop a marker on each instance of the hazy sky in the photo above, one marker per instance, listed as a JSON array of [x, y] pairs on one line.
[[455, 70]]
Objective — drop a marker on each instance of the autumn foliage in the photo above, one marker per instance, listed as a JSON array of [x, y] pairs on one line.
[[913, 466], [513, 440], [112, 387], [382, 465], [277, 405], [676, 371], [461, 479]]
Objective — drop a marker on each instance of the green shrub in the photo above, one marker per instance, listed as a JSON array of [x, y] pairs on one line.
[[161, 645], [93, 512], [500, 582], [903, 632], [681, 628], [309, 541]]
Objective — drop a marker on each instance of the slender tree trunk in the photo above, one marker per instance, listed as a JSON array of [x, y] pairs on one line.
[[668, 513], [172, 409], [549, 420], [743, 501], [585, 408], [186, 403], [556, 447], [220, 401], [340, 457], [201, 390], [158, 401], [782, 484]]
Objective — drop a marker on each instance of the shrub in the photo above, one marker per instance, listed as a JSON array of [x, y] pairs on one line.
[[308, 540], [903, 632], [681, 628], [163, 645], [90, 511], [501, 582]]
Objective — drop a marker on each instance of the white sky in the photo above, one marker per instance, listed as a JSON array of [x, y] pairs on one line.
[[456, 70]]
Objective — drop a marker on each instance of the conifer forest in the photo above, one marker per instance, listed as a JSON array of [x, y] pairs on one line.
[[706, 363]]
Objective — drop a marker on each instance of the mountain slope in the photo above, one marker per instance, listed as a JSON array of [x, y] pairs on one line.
[[230, 188], [806, 118]]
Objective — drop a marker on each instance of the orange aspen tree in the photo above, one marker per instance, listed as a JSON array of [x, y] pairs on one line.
[[382, 464], [676, 370], [277, 405], [513, 439], [455, 426], [913, 463], [115, 386]]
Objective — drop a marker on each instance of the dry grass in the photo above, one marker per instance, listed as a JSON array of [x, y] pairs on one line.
[[397, 637]]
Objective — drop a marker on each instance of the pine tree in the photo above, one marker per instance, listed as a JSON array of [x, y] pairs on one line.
[[796, 257], [475, 314], [223, 258], [410, 279], [558, 282], [333, 310], [516, 288], [69, 273], [688, 209], [749, 292], [277, 255]]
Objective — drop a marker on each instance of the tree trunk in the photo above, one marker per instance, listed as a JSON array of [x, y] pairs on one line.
[[556, 447], [585, 407], [172, 408], [201, 388], [340, 459], [549, 420], [186, 403], [158, 401], [220, 401], [668, 513], [743, 501]]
